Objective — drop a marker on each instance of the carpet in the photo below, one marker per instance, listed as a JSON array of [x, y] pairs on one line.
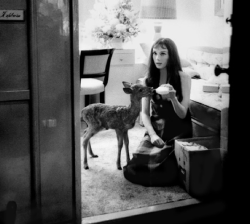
[[104, 188]]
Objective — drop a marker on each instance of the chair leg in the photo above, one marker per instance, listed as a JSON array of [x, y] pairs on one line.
[[86, 100], [102, 97]]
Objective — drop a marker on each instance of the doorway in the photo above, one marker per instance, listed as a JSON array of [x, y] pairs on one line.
[[103, 154]]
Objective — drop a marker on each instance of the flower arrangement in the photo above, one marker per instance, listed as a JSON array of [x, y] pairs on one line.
[[113, 19]]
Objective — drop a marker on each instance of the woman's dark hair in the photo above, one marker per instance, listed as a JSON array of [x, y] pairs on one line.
[[173, 67]]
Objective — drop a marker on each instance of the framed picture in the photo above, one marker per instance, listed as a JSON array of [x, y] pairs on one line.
[[219, 8]]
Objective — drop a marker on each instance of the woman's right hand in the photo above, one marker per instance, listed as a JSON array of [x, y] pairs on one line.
[[156, 140]]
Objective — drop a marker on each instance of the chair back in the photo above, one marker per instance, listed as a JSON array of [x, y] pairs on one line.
[[96, 64]]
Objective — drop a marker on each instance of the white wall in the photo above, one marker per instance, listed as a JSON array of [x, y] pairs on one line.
[[195, 25]]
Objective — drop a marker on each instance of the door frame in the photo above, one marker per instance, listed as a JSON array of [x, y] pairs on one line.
[[196, 212], [74, 30], [36, 209]]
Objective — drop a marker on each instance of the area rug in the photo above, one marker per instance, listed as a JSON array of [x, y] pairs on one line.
[[104, 188]]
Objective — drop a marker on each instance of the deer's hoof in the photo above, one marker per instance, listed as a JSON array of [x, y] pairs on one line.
[[86, 167], [119, 168], [94, 156]]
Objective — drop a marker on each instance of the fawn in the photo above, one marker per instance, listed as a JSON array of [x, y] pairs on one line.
[[100, 116]]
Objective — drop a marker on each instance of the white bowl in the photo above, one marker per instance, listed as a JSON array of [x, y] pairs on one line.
[[162, 90]]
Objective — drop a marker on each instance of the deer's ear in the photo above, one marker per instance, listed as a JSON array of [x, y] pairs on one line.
[[126, 84], [127, 90]]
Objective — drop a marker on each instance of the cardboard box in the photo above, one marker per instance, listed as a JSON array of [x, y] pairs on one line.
[[200, 171], [211, 88]]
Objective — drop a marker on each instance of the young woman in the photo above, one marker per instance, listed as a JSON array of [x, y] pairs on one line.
[[166, 118]]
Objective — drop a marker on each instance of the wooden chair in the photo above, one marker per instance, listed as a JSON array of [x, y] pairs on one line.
[[94, 72]]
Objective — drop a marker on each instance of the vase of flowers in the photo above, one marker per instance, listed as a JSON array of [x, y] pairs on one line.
[[116, 43], [112, 21]]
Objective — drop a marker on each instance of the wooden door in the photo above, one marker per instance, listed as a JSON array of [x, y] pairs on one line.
[[38, 123]]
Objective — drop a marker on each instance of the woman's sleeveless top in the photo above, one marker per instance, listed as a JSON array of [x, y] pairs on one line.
[[166, 122]]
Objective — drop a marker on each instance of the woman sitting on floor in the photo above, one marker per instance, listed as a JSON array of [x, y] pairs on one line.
[[154, 162]]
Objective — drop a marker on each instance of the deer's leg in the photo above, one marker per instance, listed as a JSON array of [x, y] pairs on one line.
[[91, 151], [126, 143], [85, 145], [86, 141], [119, 135]]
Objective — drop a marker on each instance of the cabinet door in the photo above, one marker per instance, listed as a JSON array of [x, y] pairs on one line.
[[122, 69], [36, 112], [55, 107], [15, 139], [15, 172]]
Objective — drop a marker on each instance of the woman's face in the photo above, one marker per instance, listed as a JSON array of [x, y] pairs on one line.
[[160, 57]]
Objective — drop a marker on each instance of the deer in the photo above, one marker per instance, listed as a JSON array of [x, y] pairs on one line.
[[99, 116]]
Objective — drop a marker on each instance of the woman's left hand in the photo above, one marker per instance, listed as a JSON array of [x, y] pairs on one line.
[[172, 92]]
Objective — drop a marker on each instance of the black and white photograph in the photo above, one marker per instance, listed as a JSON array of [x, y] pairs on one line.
[[122, 111]]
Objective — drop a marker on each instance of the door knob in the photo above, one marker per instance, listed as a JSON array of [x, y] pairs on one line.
[[218, 70], [228, 20]]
